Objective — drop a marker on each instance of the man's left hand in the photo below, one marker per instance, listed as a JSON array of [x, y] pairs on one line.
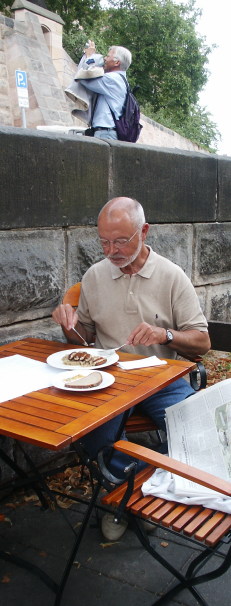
[[145, 334]]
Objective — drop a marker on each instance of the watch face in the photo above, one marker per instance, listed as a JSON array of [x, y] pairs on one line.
[[169, 336]]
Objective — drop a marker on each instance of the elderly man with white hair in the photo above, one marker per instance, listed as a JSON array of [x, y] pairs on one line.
[[110, 89]]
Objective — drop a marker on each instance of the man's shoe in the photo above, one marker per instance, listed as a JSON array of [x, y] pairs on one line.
[[110, 529]]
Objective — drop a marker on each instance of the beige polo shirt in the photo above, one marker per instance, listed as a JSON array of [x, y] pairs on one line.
[[112, 303]]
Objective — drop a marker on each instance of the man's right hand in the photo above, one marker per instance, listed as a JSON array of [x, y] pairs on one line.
[[66, 316], [90, 49]]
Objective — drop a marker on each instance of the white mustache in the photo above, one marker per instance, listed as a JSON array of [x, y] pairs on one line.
[[116, 257]]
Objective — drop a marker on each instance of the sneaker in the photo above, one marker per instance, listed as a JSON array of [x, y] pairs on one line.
[[111, 530]]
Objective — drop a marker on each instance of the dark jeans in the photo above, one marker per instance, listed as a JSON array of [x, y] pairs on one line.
[[154, 407]]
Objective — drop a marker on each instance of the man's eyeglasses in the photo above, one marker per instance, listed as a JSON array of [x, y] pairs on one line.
[[118, 242]]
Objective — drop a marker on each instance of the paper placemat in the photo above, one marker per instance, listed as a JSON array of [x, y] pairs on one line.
[[20, 375]]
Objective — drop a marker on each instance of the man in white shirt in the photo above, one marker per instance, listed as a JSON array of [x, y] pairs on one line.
[[111, 90]]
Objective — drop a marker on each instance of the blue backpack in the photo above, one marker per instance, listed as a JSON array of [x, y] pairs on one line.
[[128, 126]]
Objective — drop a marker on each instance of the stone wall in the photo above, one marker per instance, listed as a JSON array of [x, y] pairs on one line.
[[52, 188]]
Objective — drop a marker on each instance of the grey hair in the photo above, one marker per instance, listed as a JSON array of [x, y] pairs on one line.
[[137, 214], [123, 55]]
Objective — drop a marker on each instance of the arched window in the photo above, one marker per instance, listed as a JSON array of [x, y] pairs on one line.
[[47, 35]]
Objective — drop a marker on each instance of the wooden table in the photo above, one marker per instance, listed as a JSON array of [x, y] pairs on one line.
[[53, 418]]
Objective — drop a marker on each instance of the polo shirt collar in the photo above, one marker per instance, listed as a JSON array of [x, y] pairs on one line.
[[145, 271]]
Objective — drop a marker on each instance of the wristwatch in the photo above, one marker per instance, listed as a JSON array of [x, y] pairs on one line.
[[169, 336]]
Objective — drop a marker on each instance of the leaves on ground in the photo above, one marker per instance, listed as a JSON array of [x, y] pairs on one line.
[[218, 366]]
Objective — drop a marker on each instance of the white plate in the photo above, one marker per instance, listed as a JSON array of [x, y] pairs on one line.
[[108, 379], [55, 359]]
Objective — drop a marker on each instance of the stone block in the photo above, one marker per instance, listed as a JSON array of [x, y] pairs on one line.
[[201, 293], [34, 118], [52, 103], [3, 87], [3, 71], [84, 249], [212, 262], [40, 329], [37, 65], [50, 116], [65, 118], [40, 90], [174, 186], [175, 242], [224, 188], [58, 94], [49, 180], [9, 22], [32, 273], [5, 117], [33, 102], [218, 304]]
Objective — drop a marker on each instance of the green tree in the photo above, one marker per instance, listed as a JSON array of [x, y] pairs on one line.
[[197, 126], [5, 8], [83, 11]]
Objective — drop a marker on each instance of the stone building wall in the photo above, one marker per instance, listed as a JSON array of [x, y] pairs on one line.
[[52, 188]]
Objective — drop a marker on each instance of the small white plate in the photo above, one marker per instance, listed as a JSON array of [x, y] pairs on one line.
[[108, 379], [55, 359]]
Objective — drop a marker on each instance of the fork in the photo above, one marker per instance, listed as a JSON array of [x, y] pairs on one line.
[[83, 340], [106, 351], [111, 351]]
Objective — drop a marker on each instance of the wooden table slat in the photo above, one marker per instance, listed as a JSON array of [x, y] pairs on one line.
[[39, 412], [35, 435]]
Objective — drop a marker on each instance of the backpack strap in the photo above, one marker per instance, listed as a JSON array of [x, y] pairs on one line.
[[93, 108], [128, 88]]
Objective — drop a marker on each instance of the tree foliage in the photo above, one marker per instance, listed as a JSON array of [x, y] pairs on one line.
[[169, 58], [83, 11]]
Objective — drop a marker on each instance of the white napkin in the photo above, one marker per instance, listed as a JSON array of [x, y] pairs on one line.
[[144, 363], [161, 484]]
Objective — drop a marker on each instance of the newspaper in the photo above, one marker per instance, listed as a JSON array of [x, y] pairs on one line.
[[199, 433]]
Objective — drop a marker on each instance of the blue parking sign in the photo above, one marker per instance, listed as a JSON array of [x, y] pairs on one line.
[[21, 79]]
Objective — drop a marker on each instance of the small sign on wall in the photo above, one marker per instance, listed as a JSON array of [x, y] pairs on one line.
[[22, 89]]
